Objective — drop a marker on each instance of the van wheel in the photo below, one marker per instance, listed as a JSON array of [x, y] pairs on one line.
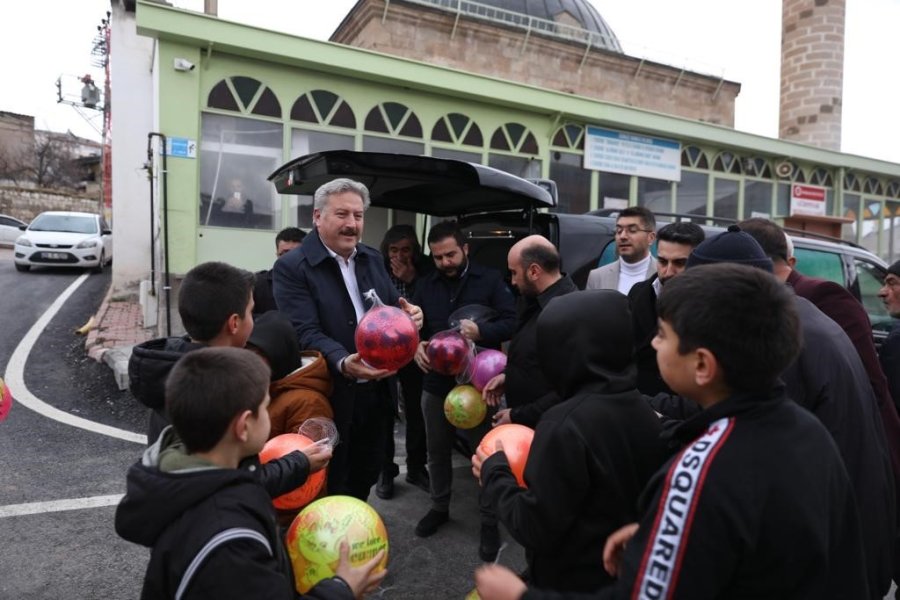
[[23, 268]]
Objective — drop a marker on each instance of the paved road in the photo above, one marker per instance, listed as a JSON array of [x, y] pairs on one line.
[[72, 551]]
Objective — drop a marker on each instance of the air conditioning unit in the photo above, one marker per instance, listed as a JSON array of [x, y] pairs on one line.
[[784, 169]]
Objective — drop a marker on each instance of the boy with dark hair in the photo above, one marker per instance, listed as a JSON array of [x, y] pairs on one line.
[[193, 497], [215, 304], [758, 503]]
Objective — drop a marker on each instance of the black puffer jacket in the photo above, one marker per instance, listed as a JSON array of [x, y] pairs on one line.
[[222, 520], [592, 454], [148, 369]]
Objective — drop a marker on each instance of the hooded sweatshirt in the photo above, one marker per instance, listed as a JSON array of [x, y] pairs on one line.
[[212, 530], [592, 454], [301, 383]]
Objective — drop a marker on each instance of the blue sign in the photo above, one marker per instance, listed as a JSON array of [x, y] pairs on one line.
[[632, 154], [181, 147]]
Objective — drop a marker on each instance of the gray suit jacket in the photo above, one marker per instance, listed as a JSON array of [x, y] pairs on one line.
[[607, 276]]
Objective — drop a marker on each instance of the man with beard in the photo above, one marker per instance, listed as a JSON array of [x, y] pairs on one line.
[[534, 268], [320, 287], [635, 232], [674, 245], [455, 283]]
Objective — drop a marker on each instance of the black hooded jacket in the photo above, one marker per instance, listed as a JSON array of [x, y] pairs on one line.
[[218, 521], [592, 454]]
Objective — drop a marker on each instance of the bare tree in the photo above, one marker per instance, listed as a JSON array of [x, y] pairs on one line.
[[50, 163]]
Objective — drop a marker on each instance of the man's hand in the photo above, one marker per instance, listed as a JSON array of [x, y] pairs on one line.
[[353, 367], [318, 456], [421, 357], [404, 270], [469, 329], [494, 389], [361, 579], [414, 312], [615, 546], [502, 417], [480, 456], [495, 582]]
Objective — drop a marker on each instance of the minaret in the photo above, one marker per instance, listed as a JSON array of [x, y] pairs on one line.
[[812, 72]]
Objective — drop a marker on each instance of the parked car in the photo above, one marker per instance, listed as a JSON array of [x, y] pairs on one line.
[[64, 239], [495, 209], [10, 229]]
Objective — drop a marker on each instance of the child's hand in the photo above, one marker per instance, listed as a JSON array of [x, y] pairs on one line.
[[495, 582], [318, 455], [615, 546], [480, 456], [361, 579]]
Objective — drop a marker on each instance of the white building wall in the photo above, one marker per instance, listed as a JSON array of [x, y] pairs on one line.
[[131, 82]]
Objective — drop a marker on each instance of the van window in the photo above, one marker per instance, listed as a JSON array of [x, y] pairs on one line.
[[870, 278], [818, 263]]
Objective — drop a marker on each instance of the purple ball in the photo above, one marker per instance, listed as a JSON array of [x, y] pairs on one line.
[[487, 365]]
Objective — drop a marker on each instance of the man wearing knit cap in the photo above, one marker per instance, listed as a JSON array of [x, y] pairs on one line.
[[829, 380], [635, 232], [890, 349]]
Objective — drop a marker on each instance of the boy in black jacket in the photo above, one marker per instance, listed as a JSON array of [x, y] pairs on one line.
[[193, 498], [758, 503], [592, 453]]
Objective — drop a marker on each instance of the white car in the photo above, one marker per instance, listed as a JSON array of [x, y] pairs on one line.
[[64, 239], [9, 230]]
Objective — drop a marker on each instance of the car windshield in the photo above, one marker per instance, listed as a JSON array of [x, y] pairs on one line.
[[66, 223]]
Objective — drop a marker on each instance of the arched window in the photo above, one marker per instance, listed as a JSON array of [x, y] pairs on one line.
[[569, 136], [873, 186], [573, 181], [457, 128], [821, 176], [692, 156], [757, 167], [726, 162], [852, 182], [514, 137], [244, 95], [323, 108], [394, 119]]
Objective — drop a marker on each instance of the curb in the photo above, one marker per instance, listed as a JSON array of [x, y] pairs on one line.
[[117, 329]]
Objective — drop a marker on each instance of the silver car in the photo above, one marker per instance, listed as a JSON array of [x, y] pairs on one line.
[[64, 239], [10, 229]]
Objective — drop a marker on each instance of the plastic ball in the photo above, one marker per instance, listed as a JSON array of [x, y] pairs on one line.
[[448, 352], [281, 445], [516, 444], [487, 365], [6, 400], [386, 338], [473, 595], [464, 407], [313, 539]]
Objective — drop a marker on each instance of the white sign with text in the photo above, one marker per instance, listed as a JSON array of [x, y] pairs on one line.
[[632, 154]]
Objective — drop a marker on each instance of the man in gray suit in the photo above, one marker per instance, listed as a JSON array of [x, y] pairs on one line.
[[635, 231]]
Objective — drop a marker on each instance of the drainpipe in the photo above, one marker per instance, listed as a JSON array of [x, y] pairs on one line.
[[167, 288]]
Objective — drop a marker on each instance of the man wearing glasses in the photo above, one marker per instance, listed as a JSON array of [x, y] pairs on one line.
[[635, 232]]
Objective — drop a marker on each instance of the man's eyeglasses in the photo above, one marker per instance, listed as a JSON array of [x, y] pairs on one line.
[[631, 230]]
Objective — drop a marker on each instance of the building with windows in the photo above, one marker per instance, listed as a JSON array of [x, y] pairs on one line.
[[234, 102]]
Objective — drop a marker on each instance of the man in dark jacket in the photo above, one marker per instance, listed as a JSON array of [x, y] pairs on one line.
[[890, 349], [455, 283], [534, 267], [194, 500], [320, 287], [674, 244], [286, 240], [592, 453], [215, 303], [757, 504]]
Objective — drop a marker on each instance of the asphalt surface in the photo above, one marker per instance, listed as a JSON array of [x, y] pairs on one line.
[[75, 553]]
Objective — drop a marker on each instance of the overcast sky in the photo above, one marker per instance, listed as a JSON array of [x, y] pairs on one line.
[[737, 40]]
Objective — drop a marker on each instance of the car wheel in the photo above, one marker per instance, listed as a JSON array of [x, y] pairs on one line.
[[101, 263], [23, 268]]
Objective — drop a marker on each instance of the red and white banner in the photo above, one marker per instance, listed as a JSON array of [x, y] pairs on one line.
[[808, 200]]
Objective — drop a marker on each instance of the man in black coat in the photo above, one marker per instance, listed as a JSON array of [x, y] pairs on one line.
[[263, 300], [456, 283], [320, 287], [534, 266], [890, 349], [674, 244]]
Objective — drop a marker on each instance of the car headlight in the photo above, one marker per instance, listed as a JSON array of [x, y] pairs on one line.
[[87, 244], [23, 241]]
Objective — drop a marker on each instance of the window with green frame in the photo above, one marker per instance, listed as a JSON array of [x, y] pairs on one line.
[[573, 181], [514, 149]]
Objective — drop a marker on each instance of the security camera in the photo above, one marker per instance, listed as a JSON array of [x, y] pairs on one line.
[[183, 64]]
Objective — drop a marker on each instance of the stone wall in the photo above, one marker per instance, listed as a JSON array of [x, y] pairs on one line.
[[435, 36], [26, 204]]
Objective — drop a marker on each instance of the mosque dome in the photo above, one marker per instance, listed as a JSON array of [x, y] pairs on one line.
[[575, 13]]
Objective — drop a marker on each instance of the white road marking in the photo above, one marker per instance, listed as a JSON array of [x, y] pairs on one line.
[[15, 377], [34, 508]]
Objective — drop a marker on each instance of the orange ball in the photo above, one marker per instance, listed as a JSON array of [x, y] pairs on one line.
[[284, 444], [516, 441]]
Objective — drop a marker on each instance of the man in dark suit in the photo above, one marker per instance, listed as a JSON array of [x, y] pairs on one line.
[[263, 300], [674, 245], [320, 287], [890, 349]]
